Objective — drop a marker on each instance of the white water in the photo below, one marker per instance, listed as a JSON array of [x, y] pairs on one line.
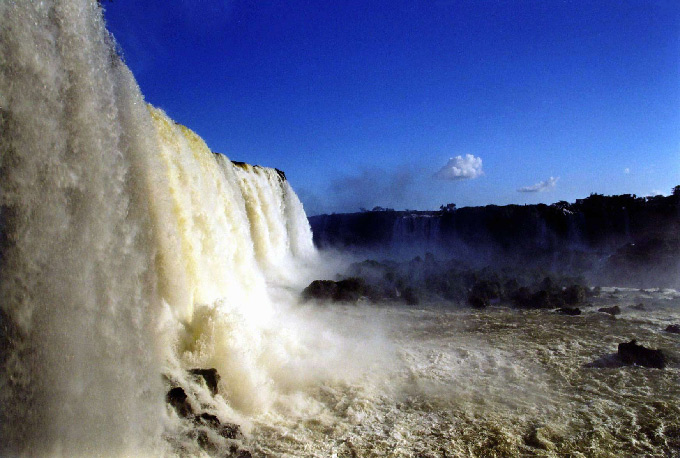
[[129, 249]]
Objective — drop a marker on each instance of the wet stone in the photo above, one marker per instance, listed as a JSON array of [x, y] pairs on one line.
[[209, 376], [613, 311], [633, 353]]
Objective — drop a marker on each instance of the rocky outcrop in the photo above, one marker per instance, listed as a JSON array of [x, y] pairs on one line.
[[209, 376], [189, 408], [673, 328], [177, 398], [624, 240], [632, 353], [348, 290], [613, 311]]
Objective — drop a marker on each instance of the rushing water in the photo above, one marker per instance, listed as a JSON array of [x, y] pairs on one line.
[[130, 252], [498, 382]]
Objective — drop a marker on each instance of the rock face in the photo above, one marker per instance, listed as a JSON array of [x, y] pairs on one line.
[[632, 353], [673, 328], [613, 311], [210, 376], [204, 421], [177, 398], [347, 290], [637, 237]]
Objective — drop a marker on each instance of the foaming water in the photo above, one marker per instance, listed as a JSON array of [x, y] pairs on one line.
[[129, 251], [498, 382]]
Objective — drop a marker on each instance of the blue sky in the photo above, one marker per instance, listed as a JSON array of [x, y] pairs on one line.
[[364, 103]]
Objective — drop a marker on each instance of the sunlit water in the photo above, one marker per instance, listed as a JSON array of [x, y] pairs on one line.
[[130, 253], [498, 382]]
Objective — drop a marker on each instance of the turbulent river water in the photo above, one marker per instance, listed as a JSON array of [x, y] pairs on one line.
[[498, 382], [130, 253]]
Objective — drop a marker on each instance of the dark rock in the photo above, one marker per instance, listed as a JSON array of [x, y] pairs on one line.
[[572, 311], [574, 294], [347, 290], [673, 328], [613, 311], [239, 453], [208, 419], [350, 289], [477, 301], [410, 297], [226, 430], [540, 300], [521, 297], [210, 376], [230, 431], [320, 289], [281, 174], [177, 398], [632, 353]]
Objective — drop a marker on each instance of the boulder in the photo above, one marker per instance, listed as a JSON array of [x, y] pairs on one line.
[[613, 311], [409, 296], [177, 398], [673, 328], [571, 311], [347, 290], [477, 301], [632, 353], [540, 300], [226, 430], [574, 294], [350, 289], [209, 376], [320, 289]]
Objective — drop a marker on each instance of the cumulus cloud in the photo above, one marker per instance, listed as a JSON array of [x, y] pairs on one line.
[[461, 168], [541, 186]]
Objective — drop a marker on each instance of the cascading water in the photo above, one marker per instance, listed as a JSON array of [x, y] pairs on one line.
[[129, 251], [416, 233], [128, 248]]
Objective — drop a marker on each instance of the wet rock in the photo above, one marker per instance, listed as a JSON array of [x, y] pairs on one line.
[[613, 311], [410, 297], [177, 398], [574, 294], [209, 376], [571, 311], [350, 289], [320, 289], [477, 301], [226, 430], [347, 290], [673, 328], [632, 353], [540, 300], [239, 453]]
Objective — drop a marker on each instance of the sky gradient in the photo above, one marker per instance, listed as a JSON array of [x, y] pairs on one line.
[[366, 103]]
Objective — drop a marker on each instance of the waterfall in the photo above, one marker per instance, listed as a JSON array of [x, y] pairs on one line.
[[127, 248], [413, 233]]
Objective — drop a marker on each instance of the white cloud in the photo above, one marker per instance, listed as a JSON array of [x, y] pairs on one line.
[[461, 168], [541, 186], [626, 170]]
